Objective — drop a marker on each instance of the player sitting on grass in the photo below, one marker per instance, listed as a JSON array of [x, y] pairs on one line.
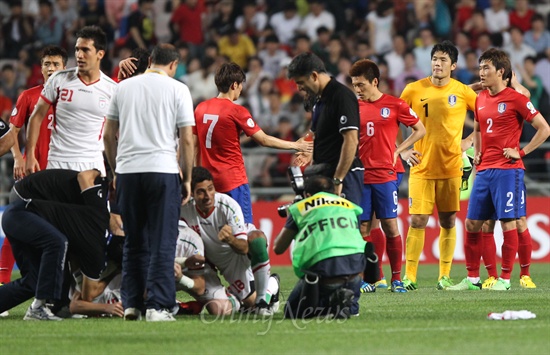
[[236, 249]]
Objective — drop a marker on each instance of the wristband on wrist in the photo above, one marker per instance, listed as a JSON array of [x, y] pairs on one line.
[[187, 282], [521, 153]]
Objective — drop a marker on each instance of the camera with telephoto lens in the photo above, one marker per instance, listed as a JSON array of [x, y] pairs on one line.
[[297, 183]]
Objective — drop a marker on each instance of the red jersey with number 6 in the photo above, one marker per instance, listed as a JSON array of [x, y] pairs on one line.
[[20, 116], [218, 126], [379, 126], [500, 120]]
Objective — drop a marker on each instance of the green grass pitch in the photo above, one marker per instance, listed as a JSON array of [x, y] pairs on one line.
[[426, 321]]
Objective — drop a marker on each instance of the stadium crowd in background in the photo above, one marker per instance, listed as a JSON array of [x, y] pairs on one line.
[[263, 35]]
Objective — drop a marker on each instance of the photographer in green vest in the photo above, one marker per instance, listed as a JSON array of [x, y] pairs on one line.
[[329, 252]]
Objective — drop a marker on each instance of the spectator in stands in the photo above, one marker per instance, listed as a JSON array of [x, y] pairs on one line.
[[424, 11], [6, 105], [538, 37], [379, 23], [141, 25], [286, 22], [395, 60], [344, 65], [302, 44], [254, 73], [484, 42], [222, 20], [464, 10], [316, 18], [336, 50], [17, 31], [236, 46], [422, 52], [68, 17], [521, 15], [497, 17], [201, 82], [93, 14], [187, 24], [517, 50], [469, 74], [49, 30], [259, 103], [411, 70], [183, 51], [362, 51], [285, 86], [272, 55], [475, 26], [252, 22], [320, 47], [295, 112], [531, 80], [9, 81], [462, 43], [542, 68]]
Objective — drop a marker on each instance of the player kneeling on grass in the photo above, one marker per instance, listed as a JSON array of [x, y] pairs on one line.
[[199, 279], [329, 252], [236, 249]]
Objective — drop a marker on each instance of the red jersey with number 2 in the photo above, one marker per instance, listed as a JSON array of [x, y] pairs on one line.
[[20, 116], [218, 126], [500, 120]]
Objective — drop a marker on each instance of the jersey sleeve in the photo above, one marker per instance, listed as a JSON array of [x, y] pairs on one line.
[[112, 112], [185, 115], [348, 113], [21, 111], [406, 94], [406, 115], [470, 97], [245, 121], [4, 129], [49, 93], [235, 219], [526, 109]]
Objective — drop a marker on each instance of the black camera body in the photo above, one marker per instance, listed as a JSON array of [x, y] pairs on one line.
[[297, 183]]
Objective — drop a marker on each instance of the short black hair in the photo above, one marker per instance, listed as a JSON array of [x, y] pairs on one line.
[[54, 51], [448, 48], [142, 55], [96, 34], [164, 54], [304, 64], [227, 74], [198, 175], [319, 183]]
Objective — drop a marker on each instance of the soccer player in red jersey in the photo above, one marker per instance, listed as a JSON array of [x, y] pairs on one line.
[[380, 116], [219, 123], [500, 112], [53, 59]]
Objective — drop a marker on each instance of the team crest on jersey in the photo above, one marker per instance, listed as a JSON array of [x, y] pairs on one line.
[[452, 100], [2, 124], [501, 107], [250, 122], [385, 112], [343, 120], [102, 102]]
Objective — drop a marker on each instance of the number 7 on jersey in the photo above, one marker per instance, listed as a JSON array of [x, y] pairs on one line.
[[214, 119]]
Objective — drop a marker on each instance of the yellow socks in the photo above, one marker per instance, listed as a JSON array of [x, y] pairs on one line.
[[415, 244], [447, 243]]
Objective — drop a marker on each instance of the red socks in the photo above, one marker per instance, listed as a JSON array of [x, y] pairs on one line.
[[525, 250], [6, 262], [509, 250], [489, 254], [472, 250], [394, 249]]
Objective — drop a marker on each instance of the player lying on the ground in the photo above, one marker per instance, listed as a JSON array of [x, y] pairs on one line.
[[236, 249]]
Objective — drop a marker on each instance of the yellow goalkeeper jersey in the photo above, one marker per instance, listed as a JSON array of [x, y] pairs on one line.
[[442, 110]]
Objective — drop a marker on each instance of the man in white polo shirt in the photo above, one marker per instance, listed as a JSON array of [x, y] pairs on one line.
[[147, 111], [81, 97]]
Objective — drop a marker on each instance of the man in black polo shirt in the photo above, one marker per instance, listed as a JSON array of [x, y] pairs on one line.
[[335, 125], [6, 138]]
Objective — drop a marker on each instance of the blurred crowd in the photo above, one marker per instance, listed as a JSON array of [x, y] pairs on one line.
[[263, 35]]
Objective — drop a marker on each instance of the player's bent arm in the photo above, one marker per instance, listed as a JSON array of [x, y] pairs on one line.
[[6, 142], [467, 142], [109, 140], [419, 131], [18, 161], [35, 121], [543, 131], [283, 240], [186, 157], [79, 306], [477, 143], [92, 288], [268, 141], [347, 154]]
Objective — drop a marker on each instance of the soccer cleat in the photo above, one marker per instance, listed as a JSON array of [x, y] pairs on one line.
[[526, 282], [381, 283], [40, 313], [409, 285], [397, 286], [500, 285], [4, 314], [187, 308], [263, 309], [132, 314], [487, 284], [444, 282], [163, 315], [274, 303], [367, 287], [465, 285]]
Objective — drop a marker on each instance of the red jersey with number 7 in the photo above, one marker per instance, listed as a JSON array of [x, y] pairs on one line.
[[218, 126], [500, 120], [20, 116]]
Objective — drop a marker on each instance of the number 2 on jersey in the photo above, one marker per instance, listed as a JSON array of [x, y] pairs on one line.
[[214, 118], [489, 125]]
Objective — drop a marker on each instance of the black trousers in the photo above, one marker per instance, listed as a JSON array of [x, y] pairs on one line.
[[39, 250]]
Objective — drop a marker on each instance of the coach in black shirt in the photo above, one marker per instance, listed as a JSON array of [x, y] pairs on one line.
[[335, 123]]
